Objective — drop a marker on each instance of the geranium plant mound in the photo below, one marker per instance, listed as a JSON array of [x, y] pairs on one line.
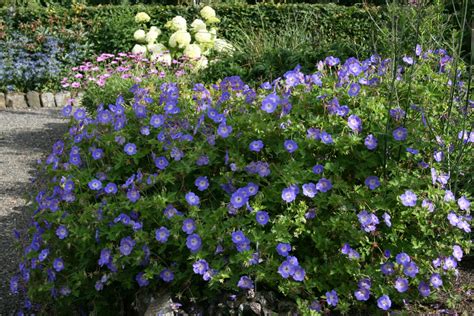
[[334, 189]]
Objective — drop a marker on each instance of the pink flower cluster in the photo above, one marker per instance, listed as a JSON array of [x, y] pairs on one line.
[[126, 65]]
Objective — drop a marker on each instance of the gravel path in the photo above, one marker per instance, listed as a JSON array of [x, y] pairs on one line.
[[25, 136]]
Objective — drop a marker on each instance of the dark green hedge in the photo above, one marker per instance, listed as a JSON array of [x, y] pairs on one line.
[[112, 26]]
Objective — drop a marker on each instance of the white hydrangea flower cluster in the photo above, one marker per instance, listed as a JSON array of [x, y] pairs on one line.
[[197, 43]]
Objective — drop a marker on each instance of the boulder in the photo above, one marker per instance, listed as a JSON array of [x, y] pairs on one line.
[[33, 99], [16, 100], [77, 99], [160, 306], [2, 101], [62, 98], [47, 100]]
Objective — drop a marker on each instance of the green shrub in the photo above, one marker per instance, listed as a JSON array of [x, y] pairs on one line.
[[308, 186]]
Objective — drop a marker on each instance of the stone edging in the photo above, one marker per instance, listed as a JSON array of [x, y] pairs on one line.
[[33, 99]]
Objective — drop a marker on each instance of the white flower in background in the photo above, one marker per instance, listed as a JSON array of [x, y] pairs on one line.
[[203, 37], [198, 25], [213, 31], [201, 64], [142, 17], [152, 34], [192, 51], [178, 23], [222, 46], [162, 58], [156, 48], [139, 49], [155, 29], [180, 39], [139, 35], [207, 13], [212, 20]]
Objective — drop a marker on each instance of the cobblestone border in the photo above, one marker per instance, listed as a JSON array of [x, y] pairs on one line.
[[34, 99]]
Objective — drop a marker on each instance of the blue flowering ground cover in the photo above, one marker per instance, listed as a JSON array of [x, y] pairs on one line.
[[335, 189], [25, 65]]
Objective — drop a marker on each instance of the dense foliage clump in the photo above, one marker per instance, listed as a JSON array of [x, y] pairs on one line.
[[335, 189]]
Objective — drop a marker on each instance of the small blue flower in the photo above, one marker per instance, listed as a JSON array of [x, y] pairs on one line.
[[401, 284], [256, 145], [326, 138], [288, 195], [238, 198], [62, 232], [309, 190], [95, 185], [402, 258], [290, 145], [162, 234], [192, 199], [224, 130], [299, 274], [424, 289], [200, 266], [201, 183], [270, 103], [362, 294], [372, 182], [408, 198], [245, 283], [188, 226], [167, 275], [130, 149], [332, 298], [262, 217], [58, 264], [193, 242], [126, 245], [161, 163], [354, 123], [400, 134], [354, 89], [110, 188], [157, 120], [283, 249], [324, 185], [238, 237], [384, 302], [318, 169], [141, 280], [410, 269], [286, 269], [105, 257], [370, 142]]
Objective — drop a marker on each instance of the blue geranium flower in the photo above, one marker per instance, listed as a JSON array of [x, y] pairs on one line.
[[192, 199], [270, 103]]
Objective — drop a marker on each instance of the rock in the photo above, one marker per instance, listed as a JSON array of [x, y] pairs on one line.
[[259, 297], [33, 99], [2, 100], [16, 100], [77, 99], [62, 98], [256, 308], [47, 100], [250, 294], [252, 308], [160, 306]]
